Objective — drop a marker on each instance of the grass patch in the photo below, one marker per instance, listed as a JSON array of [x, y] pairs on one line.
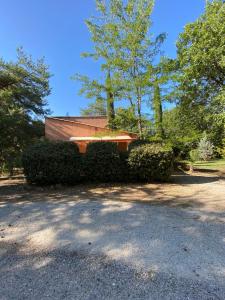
[[212, 164], [216, 164]]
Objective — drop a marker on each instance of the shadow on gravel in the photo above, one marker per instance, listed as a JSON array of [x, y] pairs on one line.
[[107, 218], [193, 179], [74, 275]]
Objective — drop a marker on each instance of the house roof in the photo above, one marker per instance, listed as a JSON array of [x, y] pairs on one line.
[[79, 117], [99, 121], [64, 119]]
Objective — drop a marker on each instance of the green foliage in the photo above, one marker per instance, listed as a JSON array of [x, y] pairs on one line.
[[201, 60], [136, 51], [122, 40], [200, 74], [61, 163], [98, 108], [126, 119], [52, 163], [201, 49], [180, 125], [102, 162], [151, 162], [205, 149], [182, 148], [194, 155], [137, 143], [183, 129], [103, 92], [24, 86], [155, 139], [220, 151]]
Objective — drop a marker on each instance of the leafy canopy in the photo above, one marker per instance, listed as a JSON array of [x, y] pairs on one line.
[[24, 86]]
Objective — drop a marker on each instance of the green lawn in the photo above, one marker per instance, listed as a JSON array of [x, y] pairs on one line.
[[212, 164], [216, 164]]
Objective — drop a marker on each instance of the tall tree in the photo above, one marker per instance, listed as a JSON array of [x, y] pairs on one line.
[[110, 101], [103, 93], [103, 36], [24, 86], [127, 49], [201, 52], [136, 50], [162, 90]]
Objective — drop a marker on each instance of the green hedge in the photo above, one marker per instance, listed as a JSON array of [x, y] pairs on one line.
[[52, 163], [61, 163], [136, 143], [150, 163], [102, 162], [150, 141]]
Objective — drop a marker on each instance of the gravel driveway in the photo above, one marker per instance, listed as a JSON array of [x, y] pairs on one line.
[[166, 242]]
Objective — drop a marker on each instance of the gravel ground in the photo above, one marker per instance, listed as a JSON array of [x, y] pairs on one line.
[[74, 275], [89, 243]]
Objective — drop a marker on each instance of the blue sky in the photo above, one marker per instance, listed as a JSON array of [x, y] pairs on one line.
[[55, 29]]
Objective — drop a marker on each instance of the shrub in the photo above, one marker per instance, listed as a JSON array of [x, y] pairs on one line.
[[102, 162], [52, 163], [124, 172], [150, 162], [182, 149], [205, 149], [220, 152], [194, 155], [137, 143], [156, 140]]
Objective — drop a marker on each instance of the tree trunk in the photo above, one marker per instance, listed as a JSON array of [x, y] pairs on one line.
[[157, 103], [110, 102], [140, 129]]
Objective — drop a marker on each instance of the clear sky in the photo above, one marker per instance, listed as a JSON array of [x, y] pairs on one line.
[[56, 30]]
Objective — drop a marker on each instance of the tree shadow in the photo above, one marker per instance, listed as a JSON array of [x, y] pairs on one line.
[[78, 275], [194, 178], [134, 225]]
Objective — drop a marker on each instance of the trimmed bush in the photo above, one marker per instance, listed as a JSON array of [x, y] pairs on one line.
[[150, 141], [124, 171], [137, 143], [61, 163], [102, 162], [150, 163], [52, 163]]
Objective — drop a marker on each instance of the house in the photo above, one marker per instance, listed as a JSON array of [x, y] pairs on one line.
[[84, 130]]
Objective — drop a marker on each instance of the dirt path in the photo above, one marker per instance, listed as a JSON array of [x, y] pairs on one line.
[[204, 191]]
